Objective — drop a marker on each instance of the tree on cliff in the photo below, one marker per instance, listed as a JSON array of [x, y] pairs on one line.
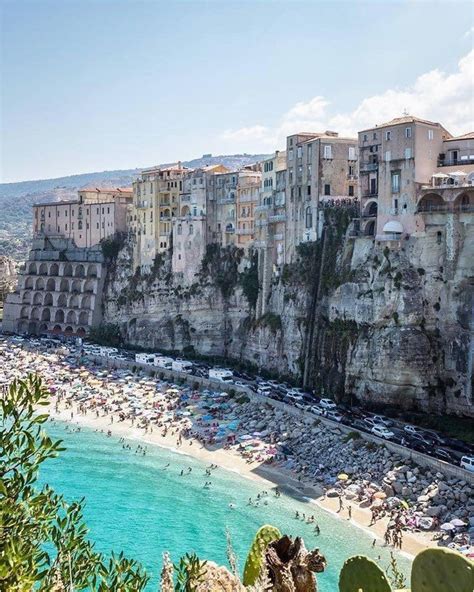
[[44, 543]]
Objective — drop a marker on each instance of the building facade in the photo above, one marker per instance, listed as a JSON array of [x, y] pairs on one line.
[[95, 215]]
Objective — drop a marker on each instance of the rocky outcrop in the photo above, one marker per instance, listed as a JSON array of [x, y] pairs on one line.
[[7, 275], [384, 323]]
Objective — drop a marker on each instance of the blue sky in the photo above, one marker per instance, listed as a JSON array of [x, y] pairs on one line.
[[104, 84]]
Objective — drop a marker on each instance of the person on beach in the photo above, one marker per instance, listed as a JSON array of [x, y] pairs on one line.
[[374, 542], [341, 504], [349, 510], [317, 530]]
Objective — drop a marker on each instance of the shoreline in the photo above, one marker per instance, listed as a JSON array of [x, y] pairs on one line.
[[231, 461]]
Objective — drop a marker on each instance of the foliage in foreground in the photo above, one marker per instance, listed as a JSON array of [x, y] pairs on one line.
[[44, 544]]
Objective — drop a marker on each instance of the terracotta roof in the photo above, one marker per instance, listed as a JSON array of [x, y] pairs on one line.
[[468, 136], [108, 189], [400, 120]]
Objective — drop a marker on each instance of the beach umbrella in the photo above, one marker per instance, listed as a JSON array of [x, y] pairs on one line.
[[343, 477], [447, 526], [457, 522], [405, 504], [380, 495]]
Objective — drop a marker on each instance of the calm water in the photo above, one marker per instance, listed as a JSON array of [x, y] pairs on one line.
[[135, 505]]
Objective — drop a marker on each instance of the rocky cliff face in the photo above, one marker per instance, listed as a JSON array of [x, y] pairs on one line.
[[7, 275], [383, 323]]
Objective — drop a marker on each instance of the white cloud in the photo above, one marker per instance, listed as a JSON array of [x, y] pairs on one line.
[[468, 33], [436, 95]]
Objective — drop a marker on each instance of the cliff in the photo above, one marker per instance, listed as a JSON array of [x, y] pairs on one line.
[[361, 319]]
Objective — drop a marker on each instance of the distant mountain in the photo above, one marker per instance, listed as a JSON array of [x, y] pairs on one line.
[[16, 199]]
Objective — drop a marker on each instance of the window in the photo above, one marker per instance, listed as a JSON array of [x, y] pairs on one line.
[[299, 152], [108, 210], [395, 182], [327, 151], [351, 190], [388, 136], [79, 225], [309, 217], [290, 154], [430, 134], [308, 191], [352, 153], [290, 175], [388, 156], [375, 135], [395, 206], [351, 170], [366, 137], [408, 132], [310, 151], [309, 171], [327, 189], [191, 229], [408, 151]]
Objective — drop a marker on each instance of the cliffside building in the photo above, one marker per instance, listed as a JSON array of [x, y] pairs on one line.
[[248, 190], [96, 214], [320, 167]]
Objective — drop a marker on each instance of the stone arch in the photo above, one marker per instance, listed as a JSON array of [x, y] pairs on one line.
[[43, 329], [46, 314], [71, 317], [29, 283], [86, 302], [59, 316], [23, 327], [371, 208], [38, 298], [165, 214], [185, 211], [35, 313], [48, 299], [92, 271], [83, 318], [62, 300], [24, 313], [32, 269], [81, 332], [43, 269], [464, 202], [64, 285], [88, 287], [51, 285], [79, 272], [32, 327], [74, 301], [39, 284], [27, 297], [68, 330], [54, 269], [67, 271], [57, 329], [431, 202], [76, 286]]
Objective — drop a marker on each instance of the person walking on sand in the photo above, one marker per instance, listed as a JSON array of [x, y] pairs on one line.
[[374, 542], [341, 504], [349, 509]]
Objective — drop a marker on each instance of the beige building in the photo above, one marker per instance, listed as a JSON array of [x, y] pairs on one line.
[[96, 214], [156, 202], [320, 167], [248, 191], [396, 159], [223, 217]]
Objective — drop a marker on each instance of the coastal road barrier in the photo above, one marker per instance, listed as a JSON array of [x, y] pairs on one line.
[[306, 417]]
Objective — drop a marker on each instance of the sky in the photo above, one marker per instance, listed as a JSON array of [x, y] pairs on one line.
[[92, 85]]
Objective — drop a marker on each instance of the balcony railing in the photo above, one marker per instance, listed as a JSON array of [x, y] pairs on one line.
[[455, 161], [278, 236], [369, 193], [277, 218], [444, 208], [262, 208], [226, 200], [244, 231], [260, 223], [444, 186], [368, 167]]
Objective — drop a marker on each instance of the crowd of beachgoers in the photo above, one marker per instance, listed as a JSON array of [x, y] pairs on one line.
[[316, 457]]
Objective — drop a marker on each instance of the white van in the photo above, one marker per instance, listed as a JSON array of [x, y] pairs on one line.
[[163, 362], [220, 374], [144, 358], [467, 462], [181, 366]]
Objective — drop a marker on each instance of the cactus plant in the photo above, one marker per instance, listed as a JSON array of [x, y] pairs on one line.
[[442, 570], [361, 574], [265, 535]]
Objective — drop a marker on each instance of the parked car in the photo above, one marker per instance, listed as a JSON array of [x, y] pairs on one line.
[[413, 430], [423, 439], [467, 462], [317, 410], [264, 390], [442, 454], [327, 404], [360, 425], [293, 398], [333, 415], [382, 432], [382, 420], [370, 421]]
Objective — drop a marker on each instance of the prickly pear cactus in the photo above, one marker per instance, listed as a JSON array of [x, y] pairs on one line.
[[442, 570], [265, 535], [361, 574]]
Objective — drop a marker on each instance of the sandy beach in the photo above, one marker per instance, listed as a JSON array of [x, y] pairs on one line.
[[231, 460]]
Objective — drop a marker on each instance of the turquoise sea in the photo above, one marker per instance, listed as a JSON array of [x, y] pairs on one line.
[[136, 505]]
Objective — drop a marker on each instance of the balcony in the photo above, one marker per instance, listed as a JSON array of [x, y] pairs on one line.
[[260, 223], [142, 203], [262, 208], [229, 229], [226, 200], [444, 208], [367, 167], [278, 236], [244, 231], [185, 198], [260, 244], [247, 198], [455, 161], [277, 218], [369, 193]]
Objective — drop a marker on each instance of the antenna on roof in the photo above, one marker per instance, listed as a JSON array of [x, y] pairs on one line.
[[405, 112]]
